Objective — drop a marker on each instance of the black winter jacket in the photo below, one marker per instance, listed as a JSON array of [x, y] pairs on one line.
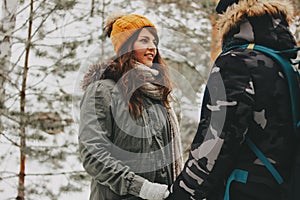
[[246, 94]]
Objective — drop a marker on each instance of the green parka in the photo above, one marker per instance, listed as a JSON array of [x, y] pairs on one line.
[[118, 151]]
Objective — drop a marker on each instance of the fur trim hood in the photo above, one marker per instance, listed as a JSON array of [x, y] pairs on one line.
[[236, 13], [93, 74], [106, 70]]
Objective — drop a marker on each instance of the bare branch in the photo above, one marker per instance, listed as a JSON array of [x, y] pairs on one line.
[[10, 140], [41, 174]]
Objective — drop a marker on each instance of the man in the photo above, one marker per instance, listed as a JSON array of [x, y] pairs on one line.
[[246, 96]]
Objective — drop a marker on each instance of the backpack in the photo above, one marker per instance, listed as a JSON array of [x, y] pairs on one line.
[[292, 75]]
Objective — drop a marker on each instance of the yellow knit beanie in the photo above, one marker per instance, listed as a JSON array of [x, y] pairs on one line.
[[120, 27]]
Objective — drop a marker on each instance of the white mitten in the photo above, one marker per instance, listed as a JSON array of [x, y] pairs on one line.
[[154, 191]]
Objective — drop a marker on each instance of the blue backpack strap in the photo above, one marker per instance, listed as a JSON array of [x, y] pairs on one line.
[[264, 160], [236, 175], [242, 175]]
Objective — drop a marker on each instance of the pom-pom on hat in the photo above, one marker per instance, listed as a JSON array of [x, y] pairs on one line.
[[224, 4], [120, 27]]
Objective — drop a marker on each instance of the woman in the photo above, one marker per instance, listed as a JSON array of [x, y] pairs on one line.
[[129, 136], [246, 97]]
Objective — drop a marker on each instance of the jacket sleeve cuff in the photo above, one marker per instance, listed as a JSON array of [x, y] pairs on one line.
[[135, 185]]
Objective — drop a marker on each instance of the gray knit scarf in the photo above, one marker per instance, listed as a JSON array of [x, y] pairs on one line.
[[155, 92]]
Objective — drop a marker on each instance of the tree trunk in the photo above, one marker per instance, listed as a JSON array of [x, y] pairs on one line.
[[103, 20], [21, 187], [8, 21]]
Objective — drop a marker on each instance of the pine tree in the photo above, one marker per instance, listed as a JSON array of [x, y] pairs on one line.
[[38, 102]]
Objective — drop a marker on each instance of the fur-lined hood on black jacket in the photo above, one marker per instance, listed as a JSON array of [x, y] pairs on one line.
[[263, 22]]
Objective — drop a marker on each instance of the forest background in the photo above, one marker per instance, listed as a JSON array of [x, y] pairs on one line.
[[45, 49]]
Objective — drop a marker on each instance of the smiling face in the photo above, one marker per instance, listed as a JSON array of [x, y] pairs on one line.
[[145, 47]]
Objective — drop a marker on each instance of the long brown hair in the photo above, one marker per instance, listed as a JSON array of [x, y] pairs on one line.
[[117, 68]]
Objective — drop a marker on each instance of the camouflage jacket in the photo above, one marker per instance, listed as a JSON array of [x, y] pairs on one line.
[[246, 94]]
